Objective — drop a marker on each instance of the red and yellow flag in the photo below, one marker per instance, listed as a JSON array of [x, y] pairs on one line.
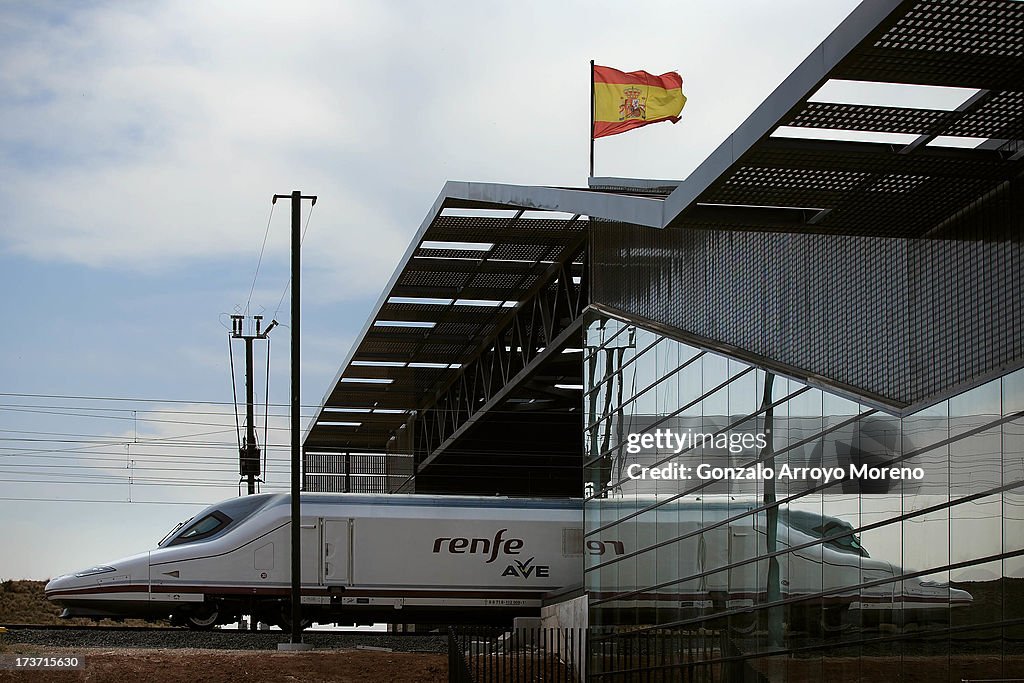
[[624, 101]]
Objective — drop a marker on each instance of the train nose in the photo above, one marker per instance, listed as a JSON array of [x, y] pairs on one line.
[[55, 584], [959, 597], [86, 577]]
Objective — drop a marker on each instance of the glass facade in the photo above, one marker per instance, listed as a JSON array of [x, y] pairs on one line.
[[879, 547]]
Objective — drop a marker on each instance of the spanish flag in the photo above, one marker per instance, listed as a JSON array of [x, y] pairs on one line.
[[624, 101]]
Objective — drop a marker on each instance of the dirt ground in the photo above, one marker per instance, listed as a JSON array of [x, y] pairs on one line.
[[224, 666], [24, 602]]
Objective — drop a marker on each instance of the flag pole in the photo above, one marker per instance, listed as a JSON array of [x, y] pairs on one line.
[[591, 118]]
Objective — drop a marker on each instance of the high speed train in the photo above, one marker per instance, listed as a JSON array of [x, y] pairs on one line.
[[440, 559], [365, 558]]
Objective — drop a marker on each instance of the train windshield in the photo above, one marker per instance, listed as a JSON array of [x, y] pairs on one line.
[[173, 531], [849, 543], [832, 528], [214, 520]]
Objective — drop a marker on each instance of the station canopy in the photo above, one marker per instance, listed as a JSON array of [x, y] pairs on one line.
[[472, 263]]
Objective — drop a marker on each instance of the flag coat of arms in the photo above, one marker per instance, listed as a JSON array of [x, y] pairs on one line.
[[624, 101]]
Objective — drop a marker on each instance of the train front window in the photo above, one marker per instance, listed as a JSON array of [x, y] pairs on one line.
[[849, 543], [820, 526], [204, 528], [215, 520], [173, 531]]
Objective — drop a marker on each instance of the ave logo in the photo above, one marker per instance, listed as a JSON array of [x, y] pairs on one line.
[[525, 570]]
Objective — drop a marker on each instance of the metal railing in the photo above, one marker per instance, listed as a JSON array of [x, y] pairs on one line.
[[520, 655]]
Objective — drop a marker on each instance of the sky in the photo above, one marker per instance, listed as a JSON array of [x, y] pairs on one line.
[[141, 144]]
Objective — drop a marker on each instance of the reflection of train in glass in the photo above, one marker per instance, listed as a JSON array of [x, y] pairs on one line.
[[825, 578], [458, 558]]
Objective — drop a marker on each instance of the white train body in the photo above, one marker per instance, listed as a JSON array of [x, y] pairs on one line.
[[364, 557], [409, 558]]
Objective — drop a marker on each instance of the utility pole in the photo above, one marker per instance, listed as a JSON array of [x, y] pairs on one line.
[[296, 618], [249, 452]]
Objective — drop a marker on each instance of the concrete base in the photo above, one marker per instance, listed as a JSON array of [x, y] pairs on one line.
[[575, 614], [526, 622], [294, 647]]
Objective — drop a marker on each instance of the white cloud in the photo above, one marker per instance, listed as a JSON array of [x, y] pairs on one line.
[[146, 141], [146, 136]]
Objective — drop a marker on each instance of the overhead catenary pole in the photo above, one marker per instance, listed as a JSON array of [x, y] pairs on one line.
[[250, 418], [593, 114], [296, 511], [249, 450], [296, 412]]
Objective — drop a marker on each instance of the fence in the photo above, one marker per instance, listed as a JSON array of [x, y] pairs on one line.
[[659, 657], [517, 655]]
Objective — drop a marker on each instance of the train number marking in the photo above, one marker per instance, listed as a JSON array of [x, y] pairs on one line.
[[601, 547]]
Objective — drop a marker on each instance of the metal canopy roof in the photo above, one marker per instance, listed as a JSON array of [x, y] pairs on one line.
[[462, 276], [916, 167], [758, 178]]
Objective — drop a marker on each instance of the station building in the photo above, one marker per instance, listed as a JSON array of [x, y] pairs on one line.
[[837, 287]]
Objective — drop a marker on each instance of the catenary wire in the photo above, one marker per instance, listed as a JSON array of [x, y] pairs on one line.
[[259, 261]]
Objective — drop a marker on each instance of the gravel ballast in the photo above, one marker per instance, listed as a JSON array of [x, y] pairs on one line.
[[221, 640]]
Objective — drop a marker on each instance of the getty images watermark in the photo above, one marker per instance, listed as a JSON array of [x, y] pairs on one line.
[[735, 443]]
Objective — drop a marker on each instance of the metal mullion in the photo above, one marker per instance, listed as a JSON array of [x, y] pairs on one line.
[[754, 462], [665, 418], [601, 347], [636, 356], [649, 387]]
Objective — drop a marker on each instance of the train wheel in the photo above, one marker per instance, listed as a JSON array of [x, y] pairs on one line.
[[284, 620], [832, 622], [743, 623], [204, 619]]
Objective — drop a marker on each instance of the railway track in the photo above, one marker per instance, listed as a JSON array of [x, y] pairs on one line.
[[184, 629], [165, 637], [72, 627]]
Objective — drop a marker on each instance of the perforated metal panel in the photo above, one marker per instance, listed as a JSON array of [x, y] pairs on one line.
[[899, 322], [965, 43], [961, 27], [858, 117], [860, 188], [1000, 117], [427, 278]]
